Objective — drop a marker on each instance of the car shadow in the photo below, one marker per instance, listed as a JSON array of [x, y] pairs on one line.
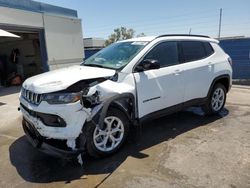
[[34, 166]]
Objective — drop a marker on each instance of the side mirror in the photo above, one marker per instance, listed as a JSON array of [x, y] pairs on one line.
[[148, 64]]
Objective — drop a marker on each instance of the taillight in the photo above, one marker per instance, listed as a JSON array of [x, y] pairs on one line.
[[230, 61]]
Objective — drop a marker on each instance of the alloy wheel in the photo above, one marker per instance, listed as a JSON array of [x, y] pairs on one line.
[[217, 100], [111, 136]]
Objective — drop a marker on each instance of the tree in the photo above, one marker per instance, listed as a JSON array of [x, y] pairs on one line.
[[121, 33], [141, 35]]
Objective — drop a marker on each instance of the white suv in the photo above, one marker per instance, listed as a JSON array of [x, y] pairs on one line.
[[90, 107]]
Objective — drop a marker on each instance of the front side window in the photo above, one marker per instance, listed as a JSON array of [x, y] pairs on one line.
[[115, 56], [193, 50], [166, 53]]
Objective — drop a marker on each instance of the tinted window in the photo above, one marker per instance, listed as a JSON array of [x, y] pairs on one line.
[[165, 53], [209, 49], [193, 50]]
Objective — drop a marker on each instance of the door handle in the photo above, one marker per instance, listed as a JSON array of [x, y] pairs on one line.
[[210, 64]]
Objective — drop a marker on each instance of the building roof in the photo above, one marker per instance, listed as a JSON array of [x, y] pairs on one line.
[[234, 38], [93, 42], [29, 5]]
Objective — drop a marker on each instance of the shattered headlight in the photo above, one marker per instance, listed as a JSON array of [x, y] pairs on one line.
[[90, 101], [61, 98]]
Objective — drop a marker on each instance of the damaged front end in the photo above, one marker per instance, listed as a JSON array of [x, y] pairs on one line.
[[65, 137], [100, 97]]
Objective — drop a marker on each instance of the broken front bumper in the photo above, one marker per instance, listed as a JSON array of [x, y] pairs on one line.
[[48, 146], [58, 141], [73, 115]]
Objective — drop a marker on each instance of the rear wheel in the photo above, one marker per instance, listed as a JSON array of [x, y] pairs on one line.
[[106, 141], [216, 100]]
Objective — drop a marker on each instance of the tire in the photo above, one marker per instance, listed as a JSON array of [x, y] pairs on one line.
[[216, 100], [96, 146]]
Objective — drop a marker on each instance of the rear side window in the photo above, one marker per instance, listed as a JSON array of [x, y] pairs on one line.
[[209, 48], [193, 50], [166, 53]]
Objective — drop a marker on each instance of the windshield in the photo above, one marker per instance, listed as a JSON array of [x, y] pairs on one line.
[[115, 56]]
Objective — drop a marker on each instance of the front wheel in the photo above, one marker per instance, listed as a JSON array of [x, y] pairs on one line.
[[216, 100], [106, 141]]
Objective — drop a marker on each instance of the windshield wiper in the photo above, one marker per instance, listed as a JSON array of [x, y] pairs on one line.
[[94, 65]]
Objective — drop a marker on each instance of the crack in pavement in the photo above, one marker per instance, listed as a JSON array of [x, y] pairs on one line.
[[7, 136]]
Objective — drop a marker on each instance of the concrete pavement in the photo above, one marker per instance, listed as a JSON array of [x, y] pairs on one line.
[[185, 149]]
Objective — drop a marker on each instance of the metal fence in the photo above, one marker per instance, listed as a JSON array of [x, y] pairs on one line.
[[239, 51]]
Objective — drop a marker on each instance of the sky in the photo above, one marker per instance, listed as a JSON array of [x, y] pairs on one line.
[[156, 17]]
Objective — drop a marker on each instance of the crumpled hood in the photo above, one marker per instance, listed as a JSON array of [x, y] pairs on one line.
[[63, 78]]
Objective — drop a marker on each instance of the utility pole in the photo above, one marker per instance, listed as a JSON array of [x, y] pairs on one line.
[[190, 30], [220, 24]]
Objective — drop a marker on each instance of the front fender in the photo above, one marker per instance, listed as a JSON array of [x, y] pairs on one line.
[[109, 94]]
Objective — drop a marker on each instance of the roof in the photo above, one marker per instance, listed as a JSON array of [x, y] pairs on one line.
[[29, 5], [174, 37]]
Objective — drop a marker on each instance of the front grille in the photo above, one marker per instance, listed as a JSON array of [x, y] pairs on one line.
[[31, 97]]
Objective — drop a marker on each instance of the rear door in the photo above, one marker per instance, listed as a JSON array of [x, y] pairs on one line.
[[160, 88], [199, 68]]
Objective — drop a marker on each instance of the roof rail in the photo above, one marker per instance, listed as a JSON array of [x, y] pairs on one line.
[[182, 35]]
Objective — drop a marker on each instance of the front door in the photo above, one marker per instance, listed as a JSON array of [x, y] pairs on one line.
[[160, 88]]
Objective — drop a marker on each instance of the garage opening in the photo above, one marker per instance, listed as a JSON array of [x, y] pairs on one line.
[[20, 58]]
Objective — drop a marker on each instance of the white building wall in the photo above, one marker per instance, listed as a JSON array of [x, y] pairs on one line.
[[15, 17], [63, 36], [63, 41]]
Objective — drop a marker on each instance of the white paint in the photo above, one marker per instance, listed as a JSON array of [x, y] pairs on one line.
[[73, 117], [109, 88], [74, 114], [163, 86], [62, 78], [152, 42], [71, 143]]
